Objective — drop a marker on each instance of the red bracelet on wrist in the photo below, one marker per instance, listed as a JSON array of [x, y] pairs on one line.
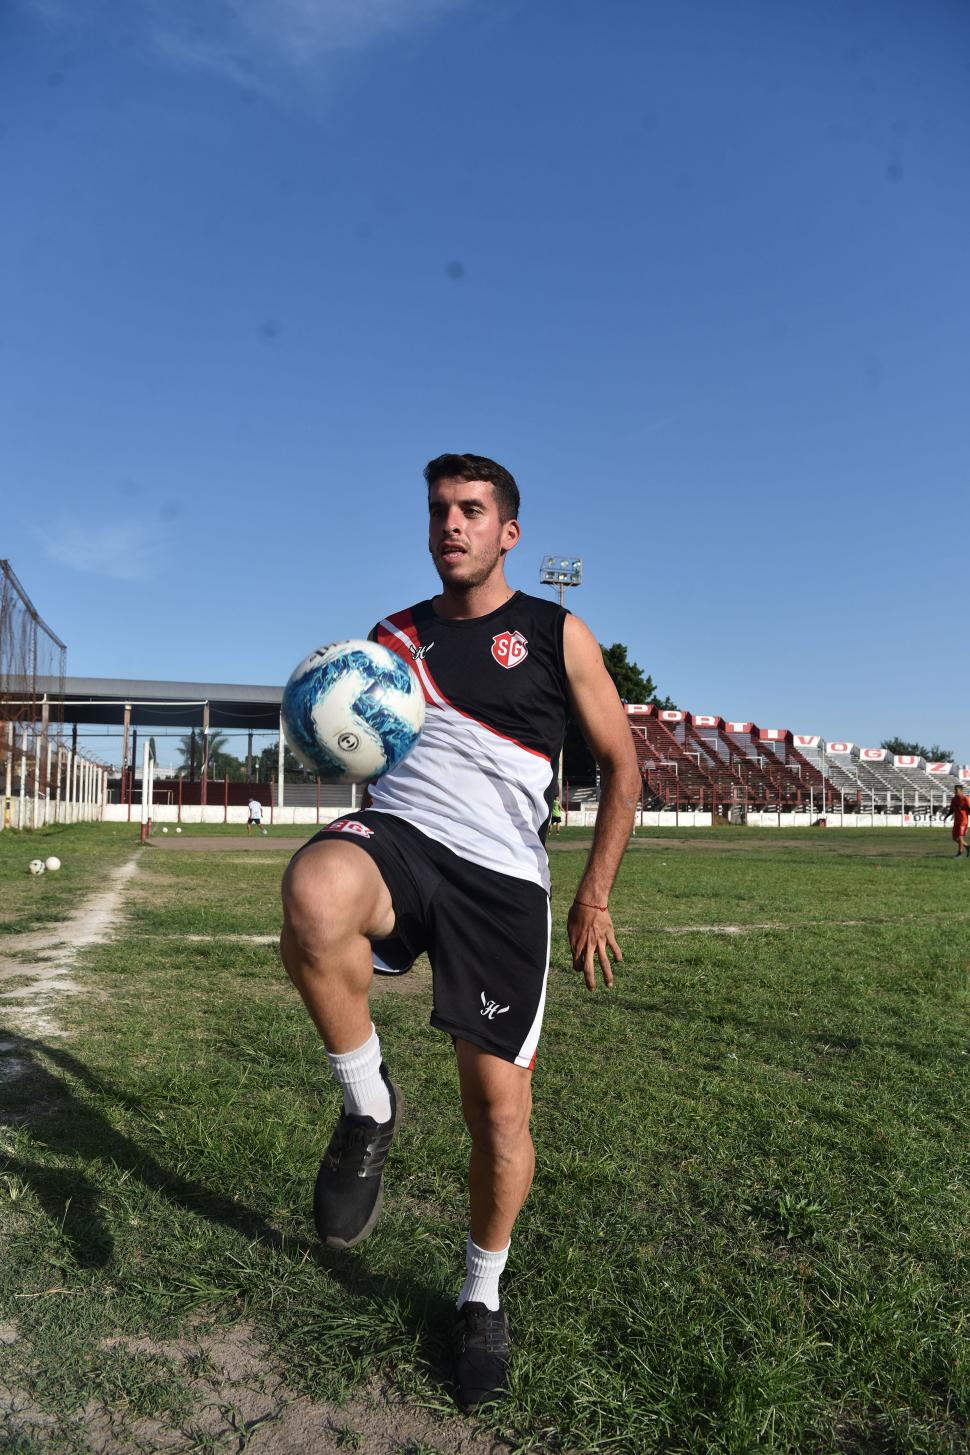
[[586, 904]]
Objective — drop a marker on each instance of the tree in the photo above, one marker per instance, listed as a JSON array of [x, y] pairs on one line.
[[935, 754], [628, 678], [222, 764], [266, 766], [632, 684]]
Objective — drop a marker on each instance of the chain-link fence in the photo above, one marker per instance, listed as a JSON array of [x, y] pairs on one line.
[[41, 780], [29, 651]]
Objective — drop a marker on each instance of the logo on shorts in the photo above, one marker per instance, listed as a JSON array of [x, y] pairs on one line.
[[491, 1008], [350, 826], [510, 648]]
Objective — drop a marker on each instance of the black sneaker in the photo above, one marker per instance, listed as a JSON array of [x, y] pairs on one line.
[[481, 1354], [350, 1184]]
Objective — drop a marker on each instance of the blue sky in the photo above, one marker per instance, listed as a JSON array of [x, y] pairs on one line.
[[695, 272]]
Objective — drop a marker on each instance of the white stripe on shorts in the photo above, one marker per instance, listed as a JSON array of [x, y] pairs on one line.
[[527, 1052]]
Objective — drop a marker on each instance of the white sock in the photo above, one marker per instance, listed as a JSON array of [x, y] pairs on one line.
[[359, 1074], [484, 1272]]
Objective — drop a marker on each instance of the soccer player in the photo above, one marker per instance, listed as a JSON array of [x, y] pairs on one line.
[[255, 819], [449, 858], [960, 809]]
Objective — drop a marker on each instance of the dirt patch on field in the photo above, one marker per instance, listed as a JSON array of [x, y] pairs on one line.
[[41, 962], [704, 839], [236, 1399], [223, 844], [707, 839]]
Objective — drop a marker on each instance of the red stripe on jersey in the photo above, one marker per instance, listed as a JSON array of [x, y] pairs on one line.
[[403, 622], [404, 633]]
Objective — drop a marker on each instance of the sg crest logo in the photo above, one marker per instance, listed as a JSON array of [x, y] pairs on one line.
[[510, 648]]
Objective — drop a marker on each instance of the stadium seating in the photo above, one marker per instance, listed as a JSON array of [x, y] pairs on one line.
[[697, 760]]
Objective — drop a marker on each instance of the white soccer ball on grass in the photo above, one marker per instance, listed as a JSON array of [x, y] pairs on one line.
[[36, 866], [52, 863]]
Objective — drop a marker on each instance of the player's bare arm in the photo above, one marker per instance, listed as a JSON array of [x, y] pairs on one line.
[[600, 714]]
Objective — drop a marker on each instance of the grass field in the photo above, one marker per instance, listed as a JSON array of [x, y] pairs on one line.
[[749, 1225]]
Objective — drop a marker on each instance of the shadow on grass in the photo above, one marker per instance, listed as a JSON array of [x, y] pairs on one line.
[[74, 1128]]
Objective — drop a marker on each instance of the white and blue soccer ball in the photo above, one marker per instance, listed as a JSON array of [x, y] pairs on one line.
[[36, 866], [352, 711]]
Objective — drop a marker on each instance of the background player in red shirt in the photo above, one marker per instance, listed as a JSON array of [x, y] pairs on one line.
[[960, 809]]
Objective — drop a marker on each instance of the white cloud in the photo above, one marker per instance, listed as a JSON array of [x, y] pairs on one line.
[[303, 30], [122, 551], [242, 40], [53, 13]]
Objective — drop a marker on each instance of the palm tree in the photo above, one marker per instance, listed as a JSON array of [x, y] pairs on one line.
[[222, 764]]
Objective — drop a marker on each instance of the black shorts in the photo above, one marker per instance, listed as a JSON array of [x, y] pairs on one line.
[[486, 934]]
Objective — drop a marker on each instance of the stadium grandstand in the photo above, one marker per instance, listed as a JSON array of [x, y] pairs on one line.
[[703, 762]]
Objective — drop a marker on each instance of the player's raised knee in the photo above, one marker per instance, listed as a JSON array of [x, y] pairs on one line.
[[332, 891]]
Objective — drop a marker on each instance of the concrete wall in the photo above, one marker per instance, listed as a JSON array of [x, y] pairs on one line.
[[216, 813], [575, 818]]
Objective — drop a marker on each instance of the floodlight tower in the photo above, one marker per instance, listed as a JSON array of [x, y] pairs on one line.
[[561, 571]]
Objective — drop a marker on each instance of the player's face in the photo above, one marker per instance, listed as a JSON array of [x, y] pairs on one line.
[[466, 537]]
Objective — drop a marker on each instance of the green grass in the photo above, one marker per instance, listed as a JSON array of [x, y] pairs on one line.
[[86, 851], [748, 1227]]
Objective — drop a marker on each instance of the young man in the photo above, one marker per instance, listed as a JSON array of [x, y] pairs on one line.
[[255, 819], [449, 857], [960, 809], [556, 815]]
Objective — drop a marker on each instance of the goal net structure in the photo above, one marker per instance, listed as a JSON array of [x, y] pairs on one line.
[[41, 779], [28, 650]]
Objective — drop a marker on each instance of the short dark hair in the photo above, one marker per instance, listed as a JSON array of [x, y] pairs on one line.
[[477, 467]]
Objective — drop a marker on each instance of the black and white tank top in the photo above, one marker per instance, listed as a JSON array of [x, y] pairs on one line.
[[483, 775]]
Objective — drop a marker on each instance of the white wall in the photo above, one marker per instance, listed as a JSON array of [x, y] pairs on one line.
[[217, 813], [574, 818]]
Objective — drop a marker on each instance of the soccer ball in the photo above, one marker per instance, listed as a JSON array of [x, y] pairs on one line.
[[265, 831], [52, 863], [178, 831], [36, 866], [352, 711], [164, 829]]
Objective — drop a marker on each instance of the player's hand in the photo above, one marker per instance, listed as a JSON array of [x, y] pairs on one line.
[[592, 938]]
